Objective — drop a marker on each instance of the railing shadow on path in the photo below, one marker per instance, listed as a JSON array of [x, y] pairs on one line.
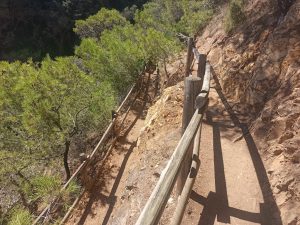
[[111, 199], [216, 204], [112, 196]]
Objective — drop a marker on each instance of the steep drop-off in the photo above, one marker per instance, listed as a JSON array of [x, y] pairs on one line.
[[34, 28]]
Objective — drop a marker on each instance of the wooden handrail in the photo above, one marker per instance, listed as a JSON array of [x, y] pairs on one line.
[[183, 200], [201, 104], [159, 197], [155, 205], [203, 96], [103, 139]]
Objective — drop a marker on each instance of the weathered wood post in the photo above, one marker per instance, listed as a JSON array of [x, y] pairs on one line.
[[189, 56], [201, 66], [192, 87]]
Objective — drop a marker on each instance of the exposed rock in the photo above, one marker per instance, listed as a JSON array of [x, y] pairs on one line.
[[258, 67], [283, 186]]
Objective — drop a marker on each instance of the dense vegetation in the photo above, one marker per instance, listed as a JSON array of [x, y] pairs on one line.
[[235, 15], [34, 28], [48, 107]]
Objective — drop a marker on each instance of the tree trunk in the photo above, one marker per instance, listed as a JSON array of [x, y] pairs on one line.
[[20, 192], [66, 164], [165, 68]]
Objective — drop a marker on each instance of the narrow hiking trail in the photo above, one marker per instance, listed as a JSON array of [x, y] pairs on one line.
[[232, 186], [97, 202], [96, 207]]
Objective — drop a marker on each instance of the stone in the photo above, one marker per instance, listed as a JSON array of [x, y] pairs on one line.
[[296, 157], [285, 136], [283, 186]]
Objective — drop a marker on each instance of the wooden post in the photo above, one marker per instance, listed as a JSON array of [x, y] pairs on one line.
[[181, 205], [189, 56], [201, 67], [162, 191], [192, 87]]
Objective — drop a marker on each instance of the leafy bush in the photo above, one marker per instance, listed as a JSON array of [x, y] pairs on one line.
[[154, 15], [94, 25], [179, 16], [68, 194], [46, 188], [61, 100], [122, 53], [129, 12], [235, 15], [43, 188]]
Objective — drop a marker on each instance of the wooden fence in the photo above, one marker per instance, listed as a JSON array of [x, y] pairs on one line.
[[103, 141], [184, 163]]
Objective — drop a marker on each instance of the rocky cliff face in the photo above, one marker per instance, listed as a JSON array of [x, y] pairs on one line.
[[259, 70]]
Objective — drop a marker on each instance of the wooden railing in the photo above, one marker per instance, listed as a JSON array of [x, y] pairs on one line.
[[103, 141], [184, 163]]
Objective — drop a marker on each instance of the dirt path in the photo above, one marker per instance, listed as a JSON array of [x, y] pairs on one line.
[[232, 186], [97, 202], [96, 206]]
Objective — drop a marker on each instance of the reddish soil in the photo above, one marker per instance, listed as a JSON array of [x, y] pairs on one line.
[[232, 186], [101, 191]]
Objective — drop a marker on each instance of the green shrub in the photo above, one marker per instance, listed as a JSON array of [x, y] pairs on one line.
[[20, 216], [122, 53], [94, 25], [67, 195], [179, 16], [45, 188], [235, 15]]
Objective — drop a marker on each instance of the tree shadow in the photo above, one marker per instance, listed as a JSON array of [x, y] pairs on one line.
[[216, 204], [137, 108], [112, 198], [96, 195]]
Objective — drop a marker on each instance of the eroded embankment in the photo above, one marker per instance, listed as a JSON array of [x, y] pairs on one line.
[[259, 70]]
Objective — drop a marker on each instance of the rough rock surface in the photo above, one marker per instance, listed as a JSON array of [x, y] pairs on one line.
[[259, 70], [157, 141]]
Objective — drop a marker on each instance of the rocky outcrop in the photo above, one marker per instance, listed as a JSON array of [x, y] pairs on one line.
[[259, 70]]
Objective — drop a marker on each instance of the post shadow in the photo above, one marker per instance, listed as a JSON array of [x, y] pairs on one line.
[[270, 214], [216, 204], [210, 211], [112, 198]]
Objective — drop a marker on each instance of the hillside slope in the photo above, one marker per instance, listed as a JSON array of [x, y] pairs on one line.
[[259, 70], [250, 152]]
